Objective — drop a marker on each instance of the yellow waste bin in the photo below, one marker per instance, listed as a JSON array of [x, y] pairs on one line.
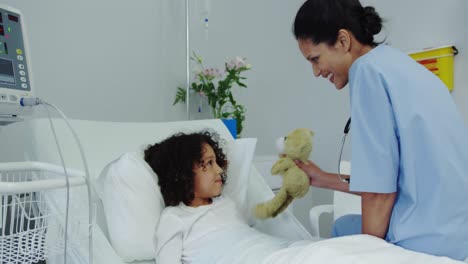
[[439, 61]]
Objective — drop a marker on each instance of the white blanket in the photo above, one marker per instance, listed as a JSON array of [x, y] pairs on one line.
[[360, 249]]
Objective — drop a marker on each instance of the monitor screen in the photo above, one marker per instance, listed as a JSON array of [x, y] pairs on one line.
[[7, 74]]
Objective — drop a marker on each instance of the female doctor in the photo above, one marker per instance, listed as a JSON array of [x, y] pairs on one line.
[[409, 142]]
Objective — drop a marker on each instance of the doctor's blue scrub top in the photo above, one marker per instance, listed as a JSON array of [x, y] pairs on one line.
[[408, 137]]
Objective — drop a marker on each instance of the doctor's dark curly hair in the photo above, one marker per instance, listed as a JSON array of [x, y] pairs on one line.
[[173, 160]]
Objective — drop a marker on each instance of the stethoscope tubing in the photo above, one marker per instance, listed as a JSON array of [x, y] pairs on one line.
[[343, 140]]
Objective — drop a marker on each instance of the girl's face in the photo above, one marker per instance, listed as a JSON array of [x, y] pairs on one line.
[[208, 182], [327, 61]]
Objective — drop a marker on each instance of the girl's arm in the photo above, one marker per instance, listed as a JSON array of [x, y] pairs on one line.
[[171, 251], [169, 239]]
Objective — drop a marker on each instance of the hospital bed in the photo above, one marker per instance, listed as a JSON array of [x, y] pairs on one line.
[[105, 142]]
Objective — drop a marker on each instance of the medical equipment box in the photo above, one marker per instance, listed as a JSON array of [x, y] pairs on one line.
[[439, 61], [15, 69]]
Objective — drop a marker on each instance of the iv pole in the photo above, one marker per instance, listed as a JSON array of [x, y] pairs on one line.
[[187, 56]]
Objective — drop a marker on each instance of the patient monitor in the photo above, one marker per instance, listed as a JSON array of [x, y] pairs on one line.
[[15, 77]]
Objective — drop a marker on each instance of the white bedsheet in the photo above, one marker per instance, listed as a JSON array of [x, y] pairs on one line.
[[254, 248], [238, 244], [362, 249]]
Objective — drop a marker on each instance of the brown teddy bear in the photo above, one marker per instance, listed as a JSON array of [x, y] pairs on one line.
[[297, 146]]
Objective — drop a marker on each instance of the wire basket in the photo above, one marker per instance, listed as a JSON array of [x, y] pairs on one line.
[[32, 216]]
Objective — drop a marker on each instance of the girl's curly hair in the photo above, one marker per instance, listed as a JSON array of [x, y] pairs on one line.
[[173, 160]]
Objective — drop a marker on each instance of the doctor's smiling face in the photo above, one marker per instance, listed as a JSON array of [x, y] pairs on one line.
[[329, 61]]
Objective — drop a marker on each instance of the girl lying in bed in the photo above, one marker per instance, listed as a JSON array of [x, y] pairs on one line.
[[199, 224]]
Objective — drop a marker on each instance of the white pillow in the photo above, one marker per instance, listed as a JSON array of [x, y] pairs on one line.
[[133, 203], [240, 154]]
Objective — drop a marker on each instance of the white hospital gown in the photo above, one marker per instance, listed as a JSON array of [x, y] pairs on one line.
[[214, 233]]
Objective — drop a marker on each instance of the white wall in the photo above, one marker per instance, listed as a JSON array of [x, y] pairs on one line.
[[107, 60], [282, 92]]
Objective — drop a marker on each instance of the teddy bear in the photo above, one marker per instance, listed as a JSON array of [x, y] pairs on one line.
[[297, 145]]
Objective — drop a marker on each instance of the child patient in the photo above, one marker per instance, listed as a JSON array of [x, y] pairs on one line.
[[199, 224]]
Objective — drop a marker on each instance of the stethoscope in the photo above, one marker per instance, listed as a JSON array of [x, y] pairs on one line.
[[346, 130]]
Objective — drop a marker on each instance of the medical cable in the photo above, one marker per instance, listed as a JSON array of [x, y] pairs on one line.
[[37, 101], [346, 130], [33, 101], [67, 204]]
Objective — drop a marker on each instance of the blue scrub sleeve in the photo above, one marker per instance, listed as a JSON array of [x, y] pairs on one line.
[[375, 147]]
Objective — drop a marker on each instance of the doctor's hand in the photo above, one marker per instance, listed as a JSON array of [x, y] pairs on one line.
[[320, 178], [314, 173]]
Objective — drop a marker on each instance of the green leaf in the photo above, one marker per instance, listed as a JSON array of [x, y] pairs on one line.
[[241, 84], [196, 58], [180, 96]]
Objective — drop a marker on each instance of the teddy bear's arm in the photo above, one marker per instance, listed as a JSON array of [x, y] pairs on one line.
[[282, 165]]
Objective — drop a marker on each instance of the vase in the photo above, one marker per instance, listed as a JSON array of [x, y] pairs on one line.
[[198, 107], [231, 125]]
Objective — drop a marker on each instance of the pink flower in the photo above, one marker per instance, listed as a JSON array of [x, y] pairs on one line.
[[237, 63], [211, 73]]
